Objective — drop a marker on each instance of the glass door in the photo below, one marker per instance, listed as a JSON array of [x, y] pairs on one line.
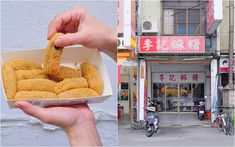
[[185, 97], [159, 95], [198, 95], [171, 91]]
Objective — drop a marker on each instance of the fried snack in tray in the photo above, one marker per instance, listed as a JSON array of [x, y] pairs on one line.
[[70, 83], [9, 81], [35, 95], [36, 85], [93, 77], [52, 56], [65, 72], [24, 64], [78, 93], [30, 74]]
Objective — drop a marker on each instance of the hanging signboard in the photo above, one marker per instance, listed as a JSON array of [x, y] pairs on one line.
[[172, 44], [213, 15], [224, 65], [178, 77]]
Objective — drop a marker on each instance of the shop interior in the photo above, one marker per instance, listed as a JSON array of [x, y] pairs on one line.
[[127, 90]]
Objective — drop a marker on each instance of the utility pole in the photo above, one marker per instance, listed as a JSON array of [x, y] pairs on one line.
[[231, 42]]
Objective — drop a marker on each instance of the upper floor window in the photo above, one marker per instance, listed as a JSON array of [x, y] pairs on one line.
[[180, 18]]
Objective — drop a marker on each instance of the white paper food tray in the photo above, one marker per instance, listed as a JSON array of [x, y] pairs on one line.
[[70, 56]]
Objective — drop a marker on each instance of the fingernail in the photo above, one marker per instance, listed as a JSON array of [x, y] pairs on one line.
[[58, 43]]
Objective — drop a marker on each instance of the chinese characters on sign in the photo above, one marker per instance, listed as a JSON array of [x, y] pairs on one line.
[[172, 44], [179, 77]]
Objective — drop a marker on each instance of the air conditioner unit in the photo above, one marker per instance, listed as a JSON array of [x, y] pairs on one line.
[[149, 26]]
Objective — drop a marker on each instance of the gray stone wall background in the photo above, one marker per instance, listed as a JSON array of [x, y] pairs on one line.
[[24, 26]]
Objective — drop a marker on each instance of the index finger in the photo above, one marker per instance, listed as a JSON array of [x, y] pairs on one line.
[[58, 23]]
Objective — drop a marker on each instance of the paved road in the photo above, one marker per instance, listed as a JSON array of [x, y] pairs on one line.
[[175, 136]]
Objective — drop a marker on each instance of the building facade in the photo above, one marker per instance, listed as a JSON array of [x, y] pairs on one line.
[[179, 49], [181, 56]]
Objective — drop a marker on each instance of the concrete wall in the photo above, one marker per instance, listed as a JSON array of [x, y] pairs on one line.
[[24, 26], [224, 44]]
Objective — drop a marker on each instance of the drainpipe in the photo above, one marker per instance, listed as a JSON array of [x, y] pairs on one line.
[[231, 42]]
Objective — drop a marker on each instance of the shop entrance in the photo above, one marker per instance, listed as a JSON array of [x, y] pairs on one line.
[[178, 97]]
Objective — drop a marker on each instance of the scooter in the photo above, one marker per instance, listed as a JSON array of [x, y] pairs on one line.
[[152, 120], [201, 110]]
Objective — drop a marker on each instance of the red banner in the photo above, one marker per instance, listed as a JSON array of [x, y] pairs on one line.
[[210, 14], [172, 44]]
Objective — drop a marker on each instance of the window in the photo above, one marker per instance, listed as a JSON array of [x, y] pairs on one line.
[[194, 21], [180, 18], [168, 21], [180, 21], [124, 85], [225, 78]]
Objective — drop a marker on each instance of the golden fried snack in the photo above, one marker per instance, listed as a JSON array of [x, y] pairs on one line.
[[24, 64], [70, 83], [66, 72], [78, 93], [30, 74], [52, 57], [36, 85], [9, 81], [93, 78], [34, 95]]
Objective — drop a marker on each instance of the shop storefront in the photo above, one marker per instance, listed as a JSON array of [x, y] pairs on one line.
[[178, 87], [224, 69], [177, 74], [127, 98], [127, 59]]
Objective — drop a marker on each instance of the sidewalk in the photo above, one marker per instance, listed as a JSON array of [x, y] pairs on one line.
[[175, 130], [167, 120]]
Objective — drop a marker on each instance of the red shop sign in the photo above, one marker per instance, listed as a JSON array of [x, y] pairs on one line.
[[172, 44]]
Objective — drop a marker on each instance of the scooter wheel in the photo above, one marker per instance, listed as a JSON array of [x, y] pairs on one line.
[[150, 131]]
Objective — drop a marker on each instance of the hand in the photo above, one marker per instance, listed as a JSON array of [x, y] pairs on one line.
[[77, 121], [80, 27]]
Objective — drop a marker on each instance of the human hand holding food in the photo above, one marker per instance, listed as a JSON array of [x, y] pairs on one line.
[[80, 27], [76, 26], [77, 121]]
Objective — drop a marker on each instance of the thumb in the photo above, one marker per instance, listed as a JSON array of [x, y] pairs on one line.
[[33, 110], [68, 40]]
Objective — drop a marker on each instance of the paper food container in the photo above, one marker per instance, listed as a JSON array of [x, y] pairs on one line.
[[70, 56]]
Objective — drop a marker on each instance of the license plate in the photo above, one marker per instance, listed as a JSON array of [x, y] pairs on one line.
[[201, 111]]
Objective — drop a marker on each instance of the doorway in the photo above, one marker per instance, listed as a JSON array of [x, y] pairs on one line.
[[178, 97]]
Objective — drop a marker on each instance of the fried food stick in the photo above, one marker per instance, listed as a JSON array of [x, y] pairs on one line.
[[52, 57], [24, 64], [70, 83], [30, 74], [34, 95], [9, 81], [36, 85], [78, 93], [66, 72], [93, 78]]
